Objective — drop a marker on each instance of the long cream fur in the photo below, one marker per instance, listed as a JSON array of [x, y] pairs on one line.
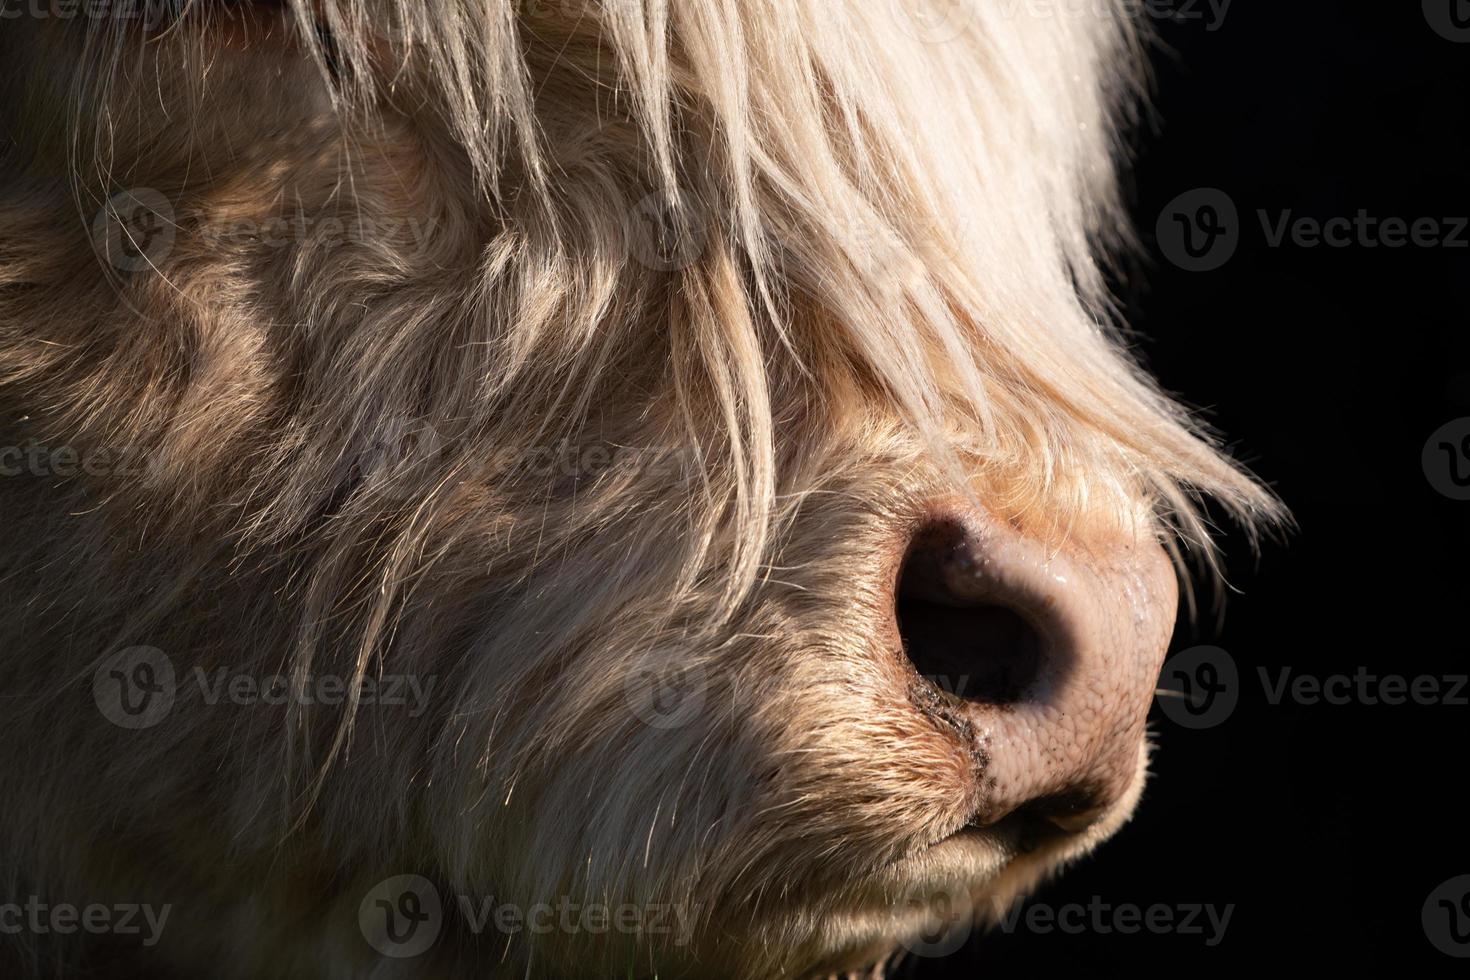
[[769, 272]]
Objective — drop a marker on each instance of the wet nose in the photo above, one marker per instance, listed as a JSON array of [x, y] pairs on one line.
[[1044, 656]]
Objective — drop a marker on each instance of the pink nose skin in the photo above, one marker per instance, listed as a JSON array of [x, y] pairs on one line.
[[1042, 659]]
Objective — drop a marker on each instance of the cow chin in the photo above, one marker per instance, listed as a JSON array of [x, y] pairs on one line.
[[929, 902]]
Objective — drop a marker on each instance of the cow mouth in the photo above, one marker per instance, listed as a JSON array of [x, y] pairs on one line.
[[999, 860], [1021, 832], [988, 866], [975, 853], [973, 868], [1016, 834]]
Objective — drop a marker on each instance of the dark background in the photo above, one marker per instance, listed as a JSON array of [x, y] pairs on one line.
[[1327, 826]]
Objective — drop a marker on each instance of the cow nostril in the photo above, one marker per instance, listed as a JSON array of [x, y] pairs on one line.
[[1049, 653], [958, 630]]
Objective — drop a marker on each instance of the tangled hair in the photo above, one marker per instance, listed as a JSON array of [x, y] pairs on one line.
[[828, 256]]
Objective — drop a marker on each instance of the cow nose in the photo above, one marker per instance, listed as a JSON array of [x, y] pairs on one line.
[[1042, 657]]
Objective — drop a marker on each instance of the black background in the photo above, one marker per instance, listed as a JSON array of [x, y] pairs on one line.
[[1326, 826]]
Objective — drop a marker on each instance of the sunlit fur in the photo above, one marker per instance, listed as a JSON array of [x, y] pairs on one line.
[[886, 283]]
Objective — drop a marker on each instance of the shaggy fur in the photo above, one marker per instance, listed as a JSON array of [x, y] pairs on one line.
[[654, 325]]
